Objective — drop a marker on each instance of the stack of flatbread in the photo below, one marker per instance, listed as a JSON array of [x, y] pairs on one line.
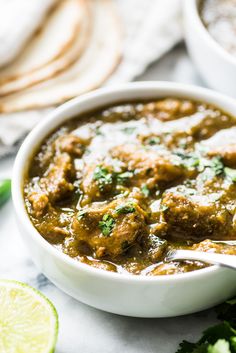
[[75, 50]]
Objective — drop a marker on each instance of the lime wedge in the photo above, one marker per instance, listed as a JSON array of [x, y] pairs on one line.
[[28, 320]]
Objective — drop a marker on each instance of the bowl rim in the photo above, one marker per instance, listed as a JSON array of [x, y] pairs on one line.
[[43, 128], [191, 7]]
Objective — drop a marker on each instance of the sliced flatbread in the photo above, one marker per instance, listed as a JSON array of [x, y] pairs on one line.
[[61, 63], [19, 20], [94, 66], [57, 34]]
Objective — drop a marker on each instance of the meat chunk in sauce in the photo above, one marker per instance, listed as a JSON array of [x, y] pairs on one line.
[[149, 167], [39, 202], [109, 229], [54, 185], [97, 182], [196, 217], [57, 180], [227, 153], [72, 144], [170, 109]]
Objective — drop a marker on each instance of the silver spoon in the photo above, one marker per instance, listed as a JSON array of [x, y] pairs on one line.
[[207, 257]]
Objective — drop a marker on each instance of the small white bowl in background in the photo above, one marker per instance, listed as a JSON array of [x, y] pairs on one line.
[[140, 296], [215, 64]]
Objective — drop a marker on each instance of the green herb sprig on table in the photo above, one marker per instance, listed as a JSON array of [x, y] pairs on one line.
[[5, 190], [220, 338]]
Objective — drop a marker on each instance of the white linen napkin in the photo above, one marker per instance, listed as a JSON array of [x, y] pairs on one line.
[[151, 28]]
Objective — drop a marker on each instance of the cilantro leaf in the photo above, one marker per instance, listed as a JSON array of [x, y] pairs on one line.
[[227, 311], [221, 346], [123, 178], [188, 160], [217, 166], [106, 225], [220, 338], [194, 160], [223, 330], [102, 176], [188, 347], [126, 208], [145, 190], [233, 343], [154, 140], [230, 173]]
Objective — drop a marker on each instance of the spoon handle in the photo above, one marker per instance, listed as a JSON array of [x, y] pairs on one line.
[[211, 258]]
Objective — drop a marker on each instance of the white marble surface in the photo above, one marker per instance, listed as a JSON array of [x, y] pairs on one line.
[[84, 329]]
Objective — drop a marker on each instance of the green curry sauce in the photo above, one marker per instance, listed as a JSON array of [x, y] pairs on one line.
[[120, 187]]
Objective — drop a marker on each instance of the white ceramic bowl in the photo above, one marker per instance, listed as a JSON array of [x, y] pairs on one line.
[[140, 296], [215, 64]]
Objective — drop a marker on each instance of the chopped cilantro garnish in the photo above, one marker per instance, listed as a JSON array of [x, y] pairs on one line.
[[106, 225], [211, 167], [122, 178], [217, 166], [81, 214], [188, 160], [194, 160], [154, 140], [125, 208], [98, 132], [230, 173], [145, 190], [102, 176]]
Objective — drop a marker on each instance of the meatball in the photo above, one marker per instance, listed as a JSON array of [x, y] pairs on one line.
[[110, 228], [149, 166]]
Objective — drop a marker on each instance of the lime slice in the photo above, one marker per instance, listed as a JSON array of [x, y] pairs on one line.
[[28, 320]]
